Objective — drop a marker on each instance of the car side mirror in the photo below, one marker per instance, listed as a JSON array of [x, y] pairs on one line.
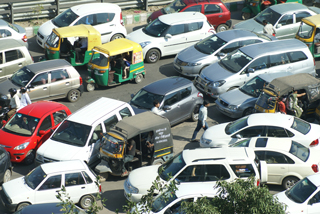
[[279, 26], [132, 95], [168, 36], [250, 70], [41, 132], [91, 142], [238, 136], [166, 107], [30, 86], [220, 54]]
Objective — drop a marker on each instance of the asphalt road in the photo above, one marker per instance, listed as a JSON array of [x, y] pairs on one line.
[[113, 187]]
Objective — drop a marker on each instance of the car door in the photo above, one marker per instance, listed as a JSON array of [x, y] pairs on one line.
[[94, 144], [194, 33], [313, 206], [75, 185], [46, 127], [256, 67], [13, 60], [171, 107], [175, 40], [248, 132], [280, 63], [285, 28], [39, 87], [47, 191], [214, 14], [60, 83], [106, 25], [186, 103]]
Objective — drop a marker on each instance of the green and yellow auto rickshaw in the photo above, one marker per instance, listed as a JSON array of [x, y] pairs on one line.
[[72, 43], [115, 62], [309, 33]]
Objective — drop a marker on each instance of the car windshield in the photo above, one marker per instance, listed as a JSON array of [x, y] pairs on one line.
[[99, 59], [305, 30], [236, 125], [53, 40], [266, 101], [210, 44], [299, 151], [35, 177], [21, 124], [22, 77], [65, 18], [174, 7], [253, 87], [171, 167], [144, 99], [268, 14], [301, 191], [12, 26], [162, 201], [156, 28], [72, 133], [235, 61], [301, 126]]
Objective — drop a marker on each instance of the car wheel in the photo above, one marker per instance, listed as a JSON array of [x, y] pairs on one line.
[[29, 157], [195, 113], [138, 78], [153, 56], [7, 176], [289, 182], [230, 89], [86, 201], [245, 16], [116, 36], [90, 87], [222, 27], [73, 95], [21, 206], [247, 112]]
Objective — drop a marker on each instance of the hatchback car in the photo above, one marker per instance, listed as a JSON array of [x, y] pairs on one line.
[[171, 33], [105, 17], [179, 99], [262, 125], [215, 10], [42, 184], [285, 18], [192, 60], [30, 127], [5, 166], [48, 80], [288, 161], [13, 31]]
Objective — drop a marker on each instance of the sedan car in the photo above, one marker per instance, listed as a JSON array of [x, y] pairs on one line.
[[262, 125], [179, 99], [5, 166], [13, 31], [30, 127], [285, 18], [288, 161], [47, 208]]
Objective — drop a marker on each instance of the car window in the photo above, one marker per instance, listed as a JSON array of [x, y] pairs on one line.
[[242, 143], [196, 8], [249, 42], [59, 116], [86, 20], [230, 47], [104, 17], [260, 63], [243, 170], [176, 208], [260, 155], [87, 177], [279, 59], [97, 132], [46, 123], [212, 8], [176, 29], [2, 154], [297, 56], [274, 131], [255, 131], [40, 79], [185, 92], [299, 151], [72, 179], [52, 182], [315, 198], [215, 172], [108, 123], [13, 55], [301, 15], [235, 61], [1, 58], [301, 126], [276, 158], [4, 33], [59, 75], [171, 99], [125, 113], [286, 19], [194, 26], [192, 173], [301, 191]]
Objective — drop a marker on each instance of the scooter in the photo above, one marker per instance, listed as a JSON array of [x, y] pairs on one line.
[[3, 114]]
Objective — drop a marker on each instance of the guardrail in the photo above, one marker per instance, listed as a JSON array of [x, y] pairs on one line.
[[16, 10]]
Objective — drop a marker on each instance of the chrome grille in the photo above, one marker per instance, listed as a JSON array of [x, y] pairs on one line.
[[39, 34], [224, 103], [181, 63]]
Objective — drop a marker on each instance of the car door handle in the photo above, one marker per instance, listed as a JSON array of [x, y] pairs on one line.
[[112, 25], [20, 64], [83, 187], [45, 88], [178, 106], [0, 70], [220, 16], [67, 83]]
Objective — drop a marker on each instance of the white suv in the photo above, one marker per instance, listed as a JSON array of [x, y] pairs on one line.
[[191, 167]]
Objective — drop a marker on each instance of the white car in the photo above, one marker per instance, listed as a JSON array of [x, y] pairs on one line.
[[169, 34], [262, 125], [42, 183], [105, 17], [304, 197], [288, 161], [197, 166], [13, 31]]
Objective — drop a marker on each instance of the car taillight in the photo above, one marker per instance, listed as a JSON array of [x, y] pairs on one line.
[[80, 78], [314, 143], [24, 38], [211, 30], [100, 190], [258, 182], [121, 20], [315, 168]]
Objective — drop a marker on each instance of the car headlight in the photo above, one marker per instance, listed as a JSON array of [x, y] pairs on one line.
[[21, 146], [131, 189], [218, 83], [39, 157], [144, 44], [233, 107], [193, 63], [205, 141], [4, 97]]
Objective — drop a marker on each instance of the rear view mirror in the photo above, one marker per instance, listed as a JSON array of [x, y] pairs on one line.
[[279, 26], [220, 54], [166, 108], [250, 70], [238, 136], [168, 36], [41, 132], [132, 95]]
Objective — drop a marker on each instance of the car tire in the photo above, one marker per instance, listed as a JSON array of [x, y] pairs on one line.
[[138, 78], [73, 95], [153, 56], [116, 36], [232, 88], [247, 112], [222, 27], [21, 206], [90, 87], [195, 113], [7, 176], [86, 201], [246, 16], [289, 182], [29, 159]]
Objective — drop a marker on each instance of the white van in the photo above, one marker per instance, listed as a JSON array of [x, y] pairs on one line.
[[77, 135]]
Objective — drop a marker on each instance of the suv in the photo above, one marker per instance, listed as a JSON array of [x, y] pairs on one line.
[[191, 167], [169, 34], [216, 12], [13, 31]]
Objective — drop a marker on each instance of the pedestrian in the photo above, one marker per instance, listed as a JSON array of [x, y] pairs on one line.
[[131, 149], [25, 99], [202, 123], [294, 103], [155, 108], [268, 28], [281, 106], [14, 102]]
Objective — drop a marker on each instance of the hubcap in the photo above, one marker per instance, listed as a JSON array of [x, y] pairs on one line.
[[87, 202], [290, 183], [74, 95], [153, 57]]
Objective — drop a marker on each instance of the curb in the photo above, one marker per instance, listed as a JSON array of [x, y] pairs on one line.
[[142, 17]]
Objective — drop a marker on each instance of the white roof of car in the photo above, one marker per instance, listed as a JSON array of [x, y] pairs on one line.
[[273, 143], [315, 179], [174, 18], [268, 119], [95, 7], [201, 189], [64, 166]]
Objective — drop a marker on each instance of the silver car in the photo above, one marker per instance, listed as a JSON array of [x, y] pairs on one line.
[[13, 31], [191, 61]]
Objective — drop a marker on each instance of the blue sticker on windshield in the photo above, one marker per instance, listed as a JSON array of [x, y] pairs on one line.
[[36, 120], [19, 115]]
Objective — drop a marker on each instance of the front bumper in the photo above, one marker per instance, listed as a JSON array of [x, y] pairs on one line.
[[223, 108], [5, 202], [182, 68], [203, 86], [41, 40]]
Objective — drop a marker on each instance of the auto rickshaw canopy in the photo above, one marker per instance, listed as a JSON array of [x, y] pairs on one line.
[[118, 46], [312, 20]]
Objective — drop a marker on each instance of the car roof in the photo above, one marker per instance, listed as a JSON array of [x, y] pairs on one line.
[[255, 50], [315, 179], [63, 166], [236, 33], [40, 108], [170, 83], [270, 119], [192, 190], [48, 65], [94, 7], [271, 143], [288, 7], [270, 76], [174, 18], [9, 43]]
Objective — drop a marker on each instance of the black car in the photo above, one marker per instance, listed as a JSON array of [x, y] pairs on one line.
[[5, 166], [49, 208]]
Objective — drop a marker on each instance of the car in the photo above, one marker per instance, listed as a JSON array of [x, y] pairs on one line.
[[13, 56], [287, 160], [197, 166], [179, 100], [105, 17], [285, 18], [303, 197], [43, 182], [192, 60], [5, 166], [30, 127], [215, 10], [47, 208], [47, 80], [171, 33], [262, 125], [14, 32]]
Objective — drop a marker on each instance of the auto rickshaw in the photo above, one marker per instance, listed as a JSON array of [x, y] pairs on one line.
[[283, 87], [107, 68], [309, 27], [138, 127], [62, 44]]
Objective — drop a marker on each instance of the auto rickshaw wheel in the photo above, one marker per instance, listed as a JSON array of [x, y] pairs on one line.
[[153, 56], [73, 95], [90, 87], [116, 36], [222, 27], [245, 16], [138, 78]]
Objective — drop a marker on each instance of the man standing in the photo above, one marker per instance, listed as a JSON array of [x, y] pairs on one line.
[[14, 102], [131, 149], [294, 103], [25, 99], [202, 123], [268, 28], [155, 108]]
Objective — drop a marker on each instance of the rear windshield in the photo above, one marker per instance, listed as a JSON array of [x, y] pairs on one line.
[[301, 191], [243, 170], [299, 151], [301, 126]]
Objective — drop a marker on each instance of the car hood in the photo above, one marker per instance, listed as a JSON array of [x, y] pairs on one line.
[[156, 14], [236, 97], [138, 110], [216, 132], [5, 85], [143, 177], [250, 25], [46, 28], [17, 188], [20, 29], [215, 72], [291, 205], [139, 36], [191, 54], [12, 140]]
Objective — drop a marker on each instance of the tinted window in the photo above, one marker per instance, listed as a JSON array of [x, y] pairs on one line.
[[255, 131], [4, 33], [156, 28], [301, 126], [59, 116], [261, 142], [235, 126], [301, 15], [230, 47], [104, 17], [277, 158], [243, 170], [215, 173], [279, 59], [304, 186], [260, 63], [171, 99], [273, 131], [46, 123], [191, 174], [73, 179], [185, 92], [108, 123], [87, 177], [125, 113], [196, 8], [12, 55], [242, 143], [286, 19], [59, 75], [1, 58], [40, 79], [315, 198], [172, 166], [86, 20], [176, 29], [299, 151], [52, 182], [212, 8], [297, 56], [194, 26]]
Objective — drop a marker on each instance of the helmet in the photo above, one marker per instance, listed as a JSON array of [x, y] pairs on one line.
[[23, 90], [13, 90]]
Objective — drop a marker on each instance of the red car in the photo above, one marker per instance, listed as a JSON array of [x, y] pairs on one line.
[[216, 12], [32, 125]]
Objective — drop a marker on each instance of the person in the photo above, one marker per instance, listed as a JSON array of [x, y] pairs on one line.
[[81, 47], [25, 99], [294, 103], [24, 124], [150, 142], [202, 123], [317, 41], [155, 108], [131, 149], [281, 106], [14, 102], [268, 28], [127, 63]]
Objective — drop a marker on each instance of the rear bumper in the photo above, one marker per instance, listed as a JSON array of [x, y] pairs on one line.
[[81, 89]]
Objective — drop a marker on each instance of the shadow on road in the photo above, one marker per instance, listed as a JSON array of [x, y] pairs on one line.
[[114, 197]]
